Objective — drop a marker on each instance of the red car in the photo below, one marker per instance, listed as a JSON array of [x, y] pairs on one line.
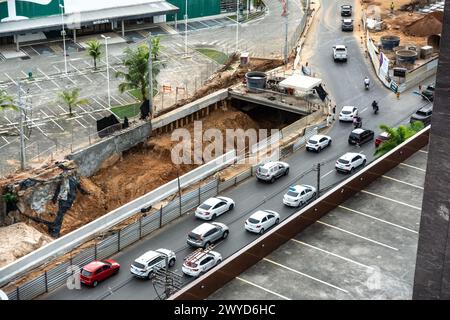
[[381, 137], [96, 271]]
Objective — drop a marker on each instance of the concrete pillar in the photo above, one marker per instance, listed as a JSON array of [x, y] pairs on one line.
[[207, 110], [123, 28], [16, 40], [432, 274], [74, 35]]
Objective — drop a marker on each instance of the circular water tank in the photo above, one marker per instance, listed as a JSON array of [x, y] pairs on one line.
[[406, 56], [390, 42], [256, 80]]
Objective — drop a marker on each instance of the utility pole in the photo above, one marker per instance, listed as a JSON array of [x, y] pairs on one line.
[[107, 68], [150, 75], [286, 21], [185, 29], [318, 179], [63, 32], [22, 137]]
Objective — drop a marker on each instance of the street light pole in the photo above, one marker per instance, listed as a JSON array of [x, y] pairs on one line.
[[107, 68], [185, 28], [150, 74], [22, 137], [63, 32], [286, 20], [237, 25]]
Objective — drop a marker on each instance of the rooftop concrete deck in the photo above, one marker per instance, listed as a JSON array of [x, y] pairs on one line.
[[364, 249]]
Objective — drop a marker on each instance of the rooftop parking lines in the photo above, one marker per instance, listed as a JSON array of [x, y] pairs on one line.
[[262, 288], [393, 200]]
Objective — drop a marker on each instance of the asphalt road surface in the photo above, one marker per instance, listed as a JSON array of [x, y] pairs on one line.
[[345, 81]]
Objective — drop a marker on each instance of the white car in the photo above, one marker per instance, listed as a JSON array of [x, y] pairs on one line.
[[262, 220], [340, 53], [146, 264], [201, 262], [214, 207], [350, 161], [318, 142], [348, 113], [299, 195]]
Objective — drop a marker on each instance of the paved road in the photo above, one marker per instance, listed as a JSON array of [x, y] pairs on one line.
[[345, 82]]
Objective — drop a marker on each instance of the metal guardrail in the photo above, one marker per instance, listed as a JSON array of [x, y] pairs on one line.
[[233, 266]]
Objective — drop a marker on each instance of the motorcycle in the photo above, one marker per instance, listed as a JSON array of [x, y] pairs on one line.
[[357, 123], [366, 85]]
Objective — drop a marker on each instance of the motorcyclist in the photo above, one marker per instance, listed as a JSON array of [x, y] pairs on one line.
[[375, 106], [357, 121], [366, 82]]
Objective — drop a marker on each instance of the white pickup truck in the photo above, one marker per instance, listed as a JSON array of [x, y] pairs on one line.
[[340, 53]]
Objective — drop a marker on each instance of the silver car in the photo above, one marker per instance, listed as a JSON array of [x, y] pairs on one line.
[[206, 234], [272, 170]]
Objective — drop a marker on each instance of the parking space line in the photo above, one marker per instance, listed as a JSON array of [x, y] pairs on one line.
[[389, 199], [262, 288], [48, 78], [357, 235], [331, 253], [423, 151], [31, 47], [400, 181], [120, 103], [87, 112], [45, 114], [7, 75], [57, 69], [305, 275], [81, 73], [87, 63], [413, 167], [378, 219], [67, 76]]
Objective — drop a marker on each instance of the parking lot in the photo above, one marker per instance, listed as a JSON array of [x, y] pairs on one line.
[[364, 249]]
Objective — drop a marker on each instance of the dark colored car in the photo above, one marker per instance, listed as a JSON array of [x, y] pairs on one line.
[[96, 271], [428, 93], [346, 10], [347, 25], [423, 115], [360, 136], [380, 138]]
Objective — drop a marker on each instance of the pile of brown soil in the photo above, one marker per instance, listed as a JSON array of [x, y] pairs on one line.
[[427, 26]]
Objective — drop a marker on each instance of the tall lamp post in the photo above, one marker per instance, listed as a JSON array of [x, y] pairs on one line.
[[185, 28], [237, 25], [150, 74], [107, 67], [63, 33]]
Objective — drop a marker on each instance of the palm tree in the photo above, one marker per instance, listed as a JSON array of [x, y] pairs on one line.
[[156, 47], [397, 136], [136, 77], [71, 98], [6, 101], [94, 51]]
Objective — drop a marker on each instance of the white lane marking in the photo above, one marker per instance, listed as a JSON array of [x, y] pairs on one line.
[[48, 78], [80, 72], [7, 75], [331, 253], [326, 174], [120, 103], [363, 110], [396, 201], [423, 151], [357, 235], [400, 181], [62, 129], [57, 69], [262, 288], [378, 219], [410, 166], [305, 275], [68, 77]]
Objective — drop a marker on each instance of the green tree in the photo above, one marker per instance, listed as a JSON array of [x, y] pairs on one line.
[[136, 76], [71, 98], [7, 101], [94, 51], [156, 47], [397, 136]]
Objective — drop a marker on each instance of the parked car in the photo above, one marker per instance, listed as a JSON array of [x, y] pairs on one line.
[[340, 53], [360, 136], [206, 234], [318, 142], [298, 195], [350, 161], [201, 262], [347, 25], [214, 207], [346, 10], [272, 171], [146, 264], [262, 220], [348, 113], [423, 114], [381, 137], [428, 93], [96, 271]]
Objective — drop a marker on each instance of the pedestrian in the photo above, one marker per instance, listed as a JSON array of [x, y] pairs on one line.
[[398, 95], [420, 88], [334, 112], [392, 7]]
